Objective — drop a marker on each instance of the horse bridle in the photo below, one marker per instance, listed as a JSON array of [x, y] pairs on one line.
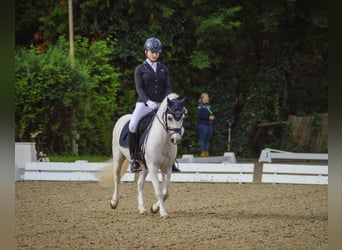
[[177, 115]]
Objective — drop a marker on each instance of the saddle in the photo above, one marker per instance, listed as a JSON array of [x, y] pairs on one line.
[[143, 129]]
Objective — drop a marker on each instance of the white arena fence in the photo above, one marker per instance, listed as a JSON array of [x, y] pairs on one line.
[[295, 174], [62, 171], [191, 172], [269, 154], [223, 169]]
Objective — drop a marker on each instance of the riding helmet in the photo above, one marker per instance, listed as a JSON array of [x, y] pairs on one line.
[[153, 44]]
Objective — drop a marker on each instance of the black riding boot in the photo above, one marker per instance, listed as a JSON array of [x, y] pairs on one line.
[[175, 169], [132, 145]]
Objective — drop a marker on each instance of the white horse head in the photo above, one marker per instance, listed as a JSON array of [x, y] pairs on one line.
[[160, 152], [172, 113]]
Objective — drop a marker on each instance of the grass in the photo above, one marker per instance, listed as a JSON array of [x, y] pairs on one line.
[[73, 158]]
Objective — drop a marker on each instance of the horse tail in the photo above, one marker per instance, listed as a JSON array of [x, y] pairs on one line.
[[106, 175]]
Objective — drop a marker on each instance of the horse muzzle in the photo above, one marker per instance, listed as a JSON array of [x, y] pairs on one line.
[[176, 138]]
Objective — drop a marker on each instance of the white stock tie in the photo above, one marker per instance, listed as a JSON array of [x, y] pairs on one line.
[[154, 66]]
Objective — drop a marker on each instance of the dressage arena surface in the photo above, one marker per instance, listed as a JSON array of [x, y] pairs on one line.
[[77, 215]]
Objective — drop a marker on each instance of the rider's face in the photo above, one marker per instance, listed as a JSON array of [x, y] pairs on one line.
[[153, 56]]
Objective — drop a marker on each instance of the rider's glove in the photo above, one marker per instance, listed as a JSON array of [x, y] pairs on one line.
[[152, 105]]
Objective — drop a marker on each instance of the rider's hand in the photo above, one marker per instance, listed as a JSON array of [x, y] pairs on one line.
[[152, 105]]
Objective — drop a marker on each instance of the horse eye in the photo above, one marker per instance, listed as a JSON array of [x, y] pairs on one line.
[[170, 117]]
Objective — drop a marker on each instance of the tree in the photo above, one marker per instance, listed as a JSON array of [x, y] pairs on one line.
[[48, 90], [260, 61]]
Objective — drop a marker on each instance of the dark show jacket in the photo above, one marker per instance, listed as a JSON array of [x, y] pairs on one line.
[[150, 85]]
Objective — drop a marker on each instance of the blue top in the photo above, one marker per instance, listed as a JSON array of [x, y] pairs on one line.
[[203, 113]]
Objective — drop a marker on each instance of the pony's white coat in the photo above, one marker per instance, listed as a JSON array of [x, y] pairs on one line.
[[160, 154]]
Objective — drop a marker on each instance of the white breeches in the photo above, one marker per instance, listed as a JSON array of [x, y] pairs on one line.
[[139, 112]]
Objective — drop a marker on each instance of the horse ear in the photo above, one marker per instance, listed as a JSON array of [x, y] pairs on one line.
[[168, 101]]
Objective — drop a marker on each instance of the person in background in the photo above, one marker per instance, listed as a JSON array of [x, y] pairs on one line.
[[152, 84], [205, 117]]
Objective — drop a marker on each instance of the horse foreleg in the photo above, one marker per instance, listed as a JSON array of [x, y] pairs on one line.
[[165, 192], [159, 205], [140, 187], [166, 185]]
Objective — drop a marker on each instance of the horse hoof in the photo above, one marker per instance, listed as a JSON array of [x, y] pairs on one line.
[[143, 213], [142, 210], [154, 210], [164, 217], [113, 204]]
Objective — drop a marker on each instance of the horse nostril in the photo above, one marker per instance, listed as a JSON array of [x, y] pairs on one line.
[[174, 141]]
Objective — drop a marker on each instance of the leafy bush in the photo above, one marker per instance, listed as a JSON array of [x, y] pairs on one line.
[[65, 102]]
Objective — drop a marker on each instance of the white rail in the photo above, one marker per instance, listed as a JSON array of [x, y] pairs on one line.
[[191, 172], [294, 174], [268, 154]]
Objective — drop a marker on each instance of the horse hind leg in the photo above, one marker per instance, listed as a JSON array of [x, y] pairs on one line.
[[117, 165], [140, 187]]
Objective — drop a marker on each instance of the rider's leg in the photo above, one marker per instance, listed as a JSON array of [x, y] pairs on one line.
[[175, 169], [132, 145], [133, 141]]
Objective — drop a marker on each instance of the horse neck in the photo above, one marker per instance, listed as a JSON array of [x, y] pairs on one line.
[[158, 126]]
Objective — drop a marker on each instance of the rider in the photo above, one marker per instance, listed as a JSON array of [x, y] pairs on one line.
[[152, 83]]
